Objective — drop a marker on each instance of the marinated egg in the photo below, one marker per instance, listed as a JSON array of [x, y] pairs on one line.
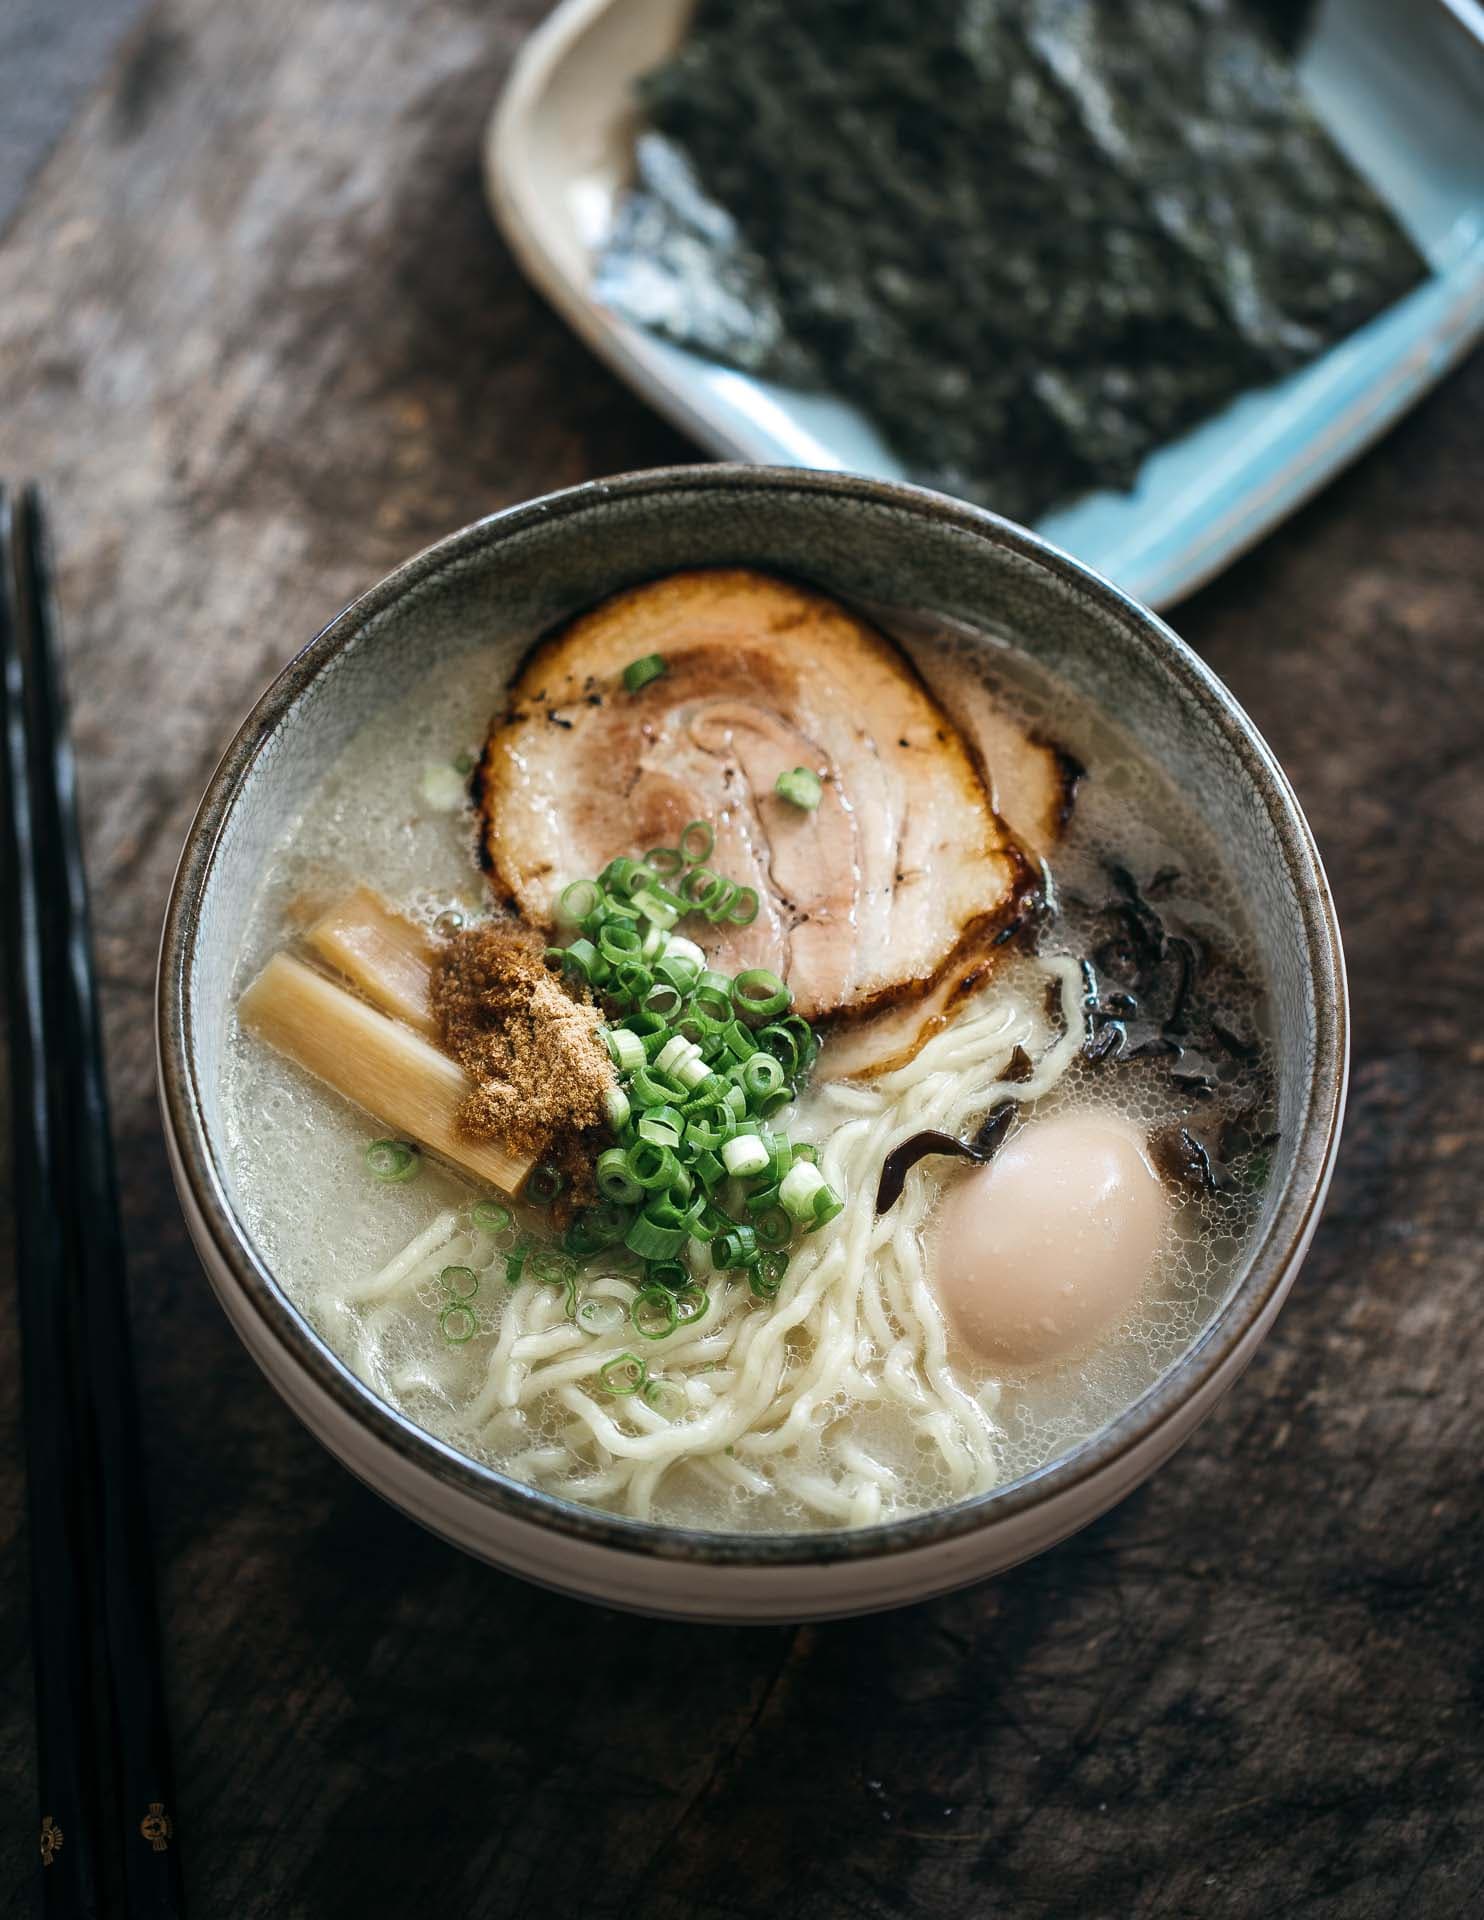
[[1052, 1241]]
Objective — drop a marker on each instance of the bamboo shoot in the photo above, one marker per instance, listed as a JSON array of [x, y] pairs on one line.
[[388, 958], [382, 1065]]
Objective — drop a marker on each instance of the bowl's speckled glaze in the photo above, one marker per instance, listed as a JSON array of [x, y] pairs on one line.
[[866, 540]]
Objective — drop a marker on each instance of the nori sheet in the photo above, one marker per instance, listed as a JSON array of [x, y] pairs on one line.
[[1031, 239]]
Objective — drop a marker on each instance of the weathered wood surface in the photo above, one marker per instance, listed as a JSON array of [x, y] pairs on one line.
[[258, 335]]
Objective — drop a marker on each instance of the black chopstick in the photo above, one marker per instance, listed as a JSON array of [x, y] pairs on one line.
[[109, 1501], [56, 1497]]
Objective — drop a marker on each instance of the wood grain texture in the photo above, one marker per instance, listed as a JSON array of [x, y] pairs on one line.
[[259, 337]]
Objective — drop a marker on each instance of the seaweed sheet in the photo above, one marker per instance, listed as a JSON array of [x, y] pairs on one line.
[[1032, 239]]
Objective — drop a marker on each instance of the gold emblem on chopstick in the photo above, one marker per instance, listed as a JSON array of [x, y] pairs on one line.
[[51, 1840], [157, 1826]]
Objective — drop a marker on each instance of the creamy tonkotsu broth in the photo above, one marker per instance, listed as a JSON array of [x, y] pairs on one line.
[[898, 1368]]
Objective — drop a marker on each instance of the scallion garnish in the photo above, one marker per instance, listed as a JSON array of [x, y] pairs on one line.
[[624, 1373], [639, 673], [393, 1161], [600, 1316], [653, 1313], [491, 1217], [457, 1323], [666, 1397], [459, 1283], [758, 994], [696, 842], [703, 1061], [544, 1184], [801, 788]]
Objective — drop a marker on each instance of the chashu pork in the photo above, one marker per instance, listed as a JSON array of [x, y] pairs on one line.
[[898, 884], [1032, 783]]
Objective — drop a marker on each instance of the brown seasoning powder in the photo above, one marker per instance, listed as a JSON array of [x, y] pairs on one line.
[[541, 1072]]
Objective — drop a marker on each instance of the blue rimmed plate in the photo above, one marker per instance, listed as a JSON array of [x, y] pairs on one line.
[[1400, 85]]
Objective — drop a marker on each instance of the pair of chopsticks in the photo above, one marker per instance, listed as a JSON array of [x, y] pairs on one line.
[[106, 1838]]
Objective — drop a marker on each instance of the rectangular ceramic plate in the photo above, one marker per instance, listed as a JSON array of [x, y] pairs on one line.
[[1399, 84]]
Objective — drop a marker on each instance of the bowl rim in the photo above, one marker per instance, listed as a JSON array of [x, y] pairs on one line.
[[1272, 1260]]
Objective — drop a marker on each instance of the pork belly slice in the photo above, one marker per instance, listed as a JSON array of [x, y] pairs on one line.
[[902, 870], [1032, 782]]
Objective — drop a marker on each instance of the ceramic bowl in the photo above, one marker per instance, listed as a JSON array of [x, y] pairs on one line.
[[870, 541]]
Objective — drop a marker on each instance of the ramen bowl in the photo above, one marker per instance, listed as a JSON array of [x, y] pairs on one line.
[[874, 544]]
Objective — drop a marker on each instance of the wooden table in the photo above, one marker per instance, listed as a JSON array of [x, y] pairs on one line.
[[259, 336]]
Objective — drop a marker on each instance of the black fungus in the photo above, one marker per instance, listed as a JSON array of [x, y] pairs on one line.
[[902, 1159], [1190, 1158]]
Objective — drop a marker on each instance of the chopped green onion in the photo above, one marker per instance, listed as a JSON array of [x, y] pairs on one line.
[[691, 1304], [393, 1161], [675, 1050], [677, 970], [464, 763], [459, 1283], [673, 1274], [758, 994], [744, 909], [457, 1323], [773, 1227], [600, 1316], [622, 875], [619, 941], [744, 1155], [442, 788], [696, 841], [639, 673], [626, 1048], [631, 981], [739, 1042], [800, 788], [665, 1397], [624, 1373], [777, 1040], [544, 1184], [719, 903], [618, 1107], [663, 999], [583, 959], [577, 901], [767, 1276], [595, 1228], [706, 1134], [736, 1247], [665, 861], [615, 1180], [708, 1169], [653, 1239], [551, 1266], [661, 1126], [677, 947], [491, 1217], [649, 1088], [654, 1167], [655, 910], [653, 1313], [761, 1075], [798, 1188], [693, 1073], [827, 1204]]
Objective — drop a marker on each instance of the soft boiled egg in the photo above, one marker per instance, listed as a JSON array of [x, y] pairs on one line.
[[1051, 1242]]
